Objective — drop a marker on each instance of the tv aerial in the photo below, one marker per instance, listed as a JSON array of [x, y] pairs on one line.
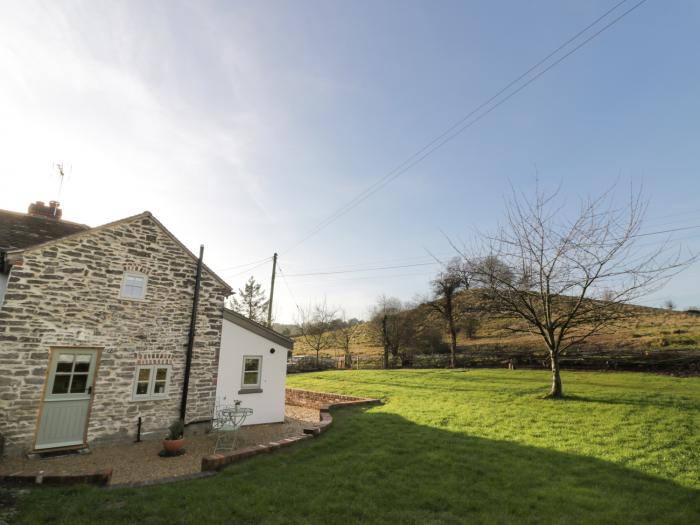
[[61, 172]]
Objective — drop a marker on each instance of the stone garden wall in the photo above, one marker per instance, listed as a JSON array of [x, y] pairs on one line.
[[308, 398]]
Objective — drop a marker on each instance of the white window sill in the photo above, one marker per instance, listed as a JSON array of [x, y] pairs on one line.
[[255, 390]]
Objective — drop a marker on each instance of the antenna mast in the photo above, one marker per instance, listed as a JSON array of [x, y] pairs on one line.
[[61, 174]]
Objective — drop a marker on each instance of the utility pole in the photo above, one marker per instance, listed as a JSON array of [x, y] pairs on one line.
[[272, 291]]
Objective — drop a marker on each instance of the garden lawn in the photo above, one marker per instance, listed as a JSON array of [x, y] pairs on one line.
[[478, 446]]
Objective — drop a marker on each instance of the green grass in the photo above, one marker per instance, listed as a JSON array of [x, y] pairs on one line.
[[479, 446]]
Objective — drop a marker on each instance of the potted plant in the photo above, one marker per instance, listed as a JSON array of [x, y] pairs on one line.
[[175, 440]]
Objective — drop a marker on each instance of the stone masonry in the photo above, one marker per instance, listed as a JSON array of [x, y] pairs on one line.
[[311, 399], [66, 293]]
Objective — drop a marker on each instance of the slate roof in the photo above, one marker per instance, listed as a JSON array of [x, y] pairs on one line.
[[19, 230]]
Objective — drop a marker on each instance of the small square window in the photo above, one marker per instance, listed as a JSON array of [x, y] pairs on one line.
[[133, 286], [151, 382]]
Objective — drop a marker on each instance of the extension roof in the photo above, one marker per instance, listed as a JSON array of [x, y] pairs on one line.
[[257, 328]]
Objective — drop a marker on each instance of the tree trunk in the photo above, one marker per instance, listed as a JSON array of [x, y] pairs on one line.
[[385, 340], [318, 361], [453, 344], [556, 391], [453, 331], [348, 360]]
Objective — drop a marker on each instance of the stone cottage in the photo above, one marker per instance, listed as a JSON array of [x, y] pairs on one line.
[[94, 330]]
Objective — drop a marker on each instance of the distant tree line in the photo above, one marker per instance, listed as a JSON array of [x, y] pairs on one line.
[[560, 273]]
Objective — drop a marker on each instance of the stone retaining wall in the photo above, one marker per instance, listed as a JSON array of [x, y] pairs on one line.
[[308, 398]]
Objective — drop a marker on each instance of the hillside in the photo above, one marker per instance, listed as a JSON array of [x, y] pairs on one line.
[[651, 329]]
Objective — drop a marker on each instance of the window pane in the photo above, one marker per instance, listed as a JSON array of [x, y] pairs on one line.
[[250, 378], [60, 384], [133, 286], [144, 374], [161, 374], [65, 363], [79, 384], [141, 389], [252, 364], [82, 363], [159, 387]]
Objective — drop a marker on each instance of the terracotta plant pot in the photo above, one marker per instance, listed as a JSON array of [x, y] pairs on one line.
[[171, 446]]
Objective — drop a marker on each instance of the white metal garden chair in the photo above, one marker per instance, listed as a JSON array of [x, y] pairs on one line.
[[227, 420]]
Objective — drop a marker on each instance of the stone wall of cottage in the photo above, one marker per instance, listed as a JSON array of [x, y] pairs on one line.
[[68, 294]]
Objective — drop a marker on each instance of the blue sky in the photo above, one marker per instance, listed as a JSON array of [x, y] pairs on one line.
[[243, 125]]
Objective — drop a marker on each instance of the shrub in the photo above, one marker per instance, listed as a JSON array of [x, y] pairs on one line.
[[176, 429]]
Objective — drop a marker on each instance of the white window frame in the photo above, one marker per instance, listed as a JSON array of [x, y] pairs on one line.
[[149, 395], [143, 291], [257, 387]]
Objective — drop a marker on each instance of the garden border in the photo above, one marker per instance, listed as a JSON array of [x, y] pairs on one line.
[[323, 401], [101, 478]]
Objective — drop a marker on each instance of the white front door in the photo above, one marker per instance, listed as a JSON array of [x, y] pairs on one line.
[[67, 395]]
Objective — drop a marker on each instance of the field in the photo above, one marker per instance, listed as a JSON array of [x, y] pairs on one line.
[[448, 446], [651, 329]]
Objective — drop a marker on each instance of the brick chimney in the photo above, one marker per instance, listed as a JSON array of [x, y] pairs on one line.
[[52, 211]]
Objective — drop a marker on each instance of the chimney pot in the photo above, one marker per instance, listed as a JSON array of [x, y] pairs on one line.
[[52, 211]]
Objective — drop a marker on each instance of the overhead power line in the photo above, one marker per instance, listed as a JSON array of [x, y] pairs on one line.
[[377, 262], [467, 121], [260, 261], [437, 262], [326, 281], [685, 228], [286, 283], [269, 259], [433, 263]]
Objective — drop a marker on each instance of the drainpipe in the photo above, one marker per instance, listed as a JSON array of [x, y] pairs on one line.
[[190, 339]]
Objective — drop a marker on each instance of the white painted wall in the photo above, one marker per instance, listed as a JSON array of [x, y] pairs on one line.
[[236, 342], [3, 287]]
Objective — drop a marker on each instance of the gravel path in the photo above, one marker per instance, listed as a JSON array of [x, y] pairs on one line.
[[140, 461]]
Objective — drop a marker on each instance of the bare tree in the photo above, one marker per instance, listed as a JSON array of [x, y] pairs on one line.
[[455, 276], [315, 324], [392, 325], [344, 333], [566, 276]]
